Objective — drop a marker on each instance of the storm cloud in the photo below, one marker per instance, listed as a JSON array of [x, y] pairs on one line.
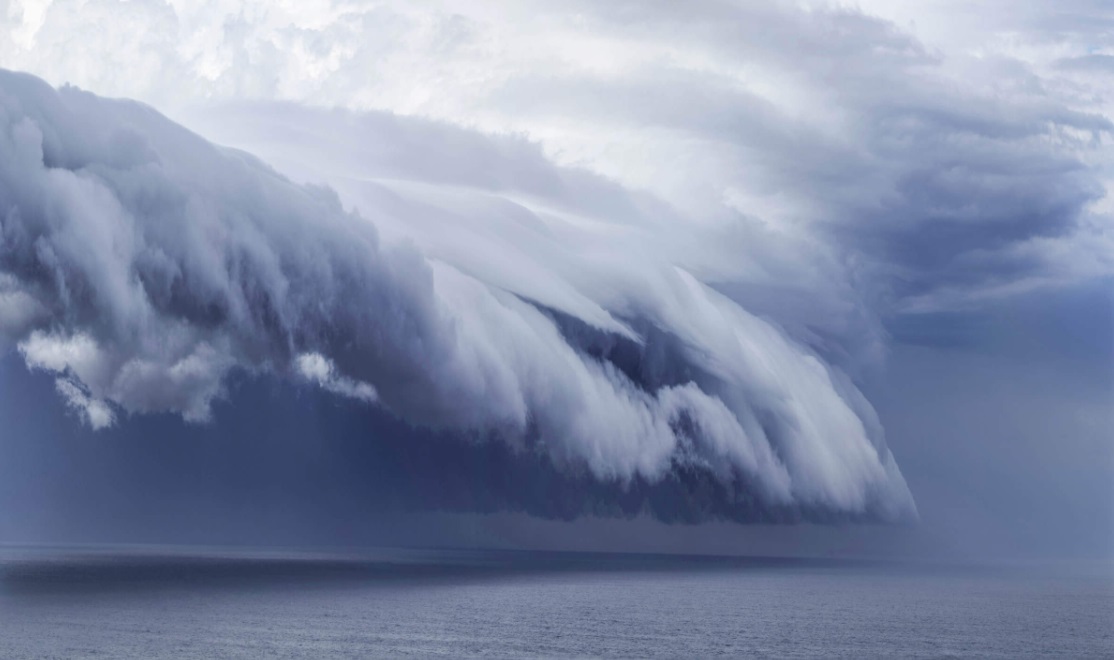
[[143, 265], [639, 243]]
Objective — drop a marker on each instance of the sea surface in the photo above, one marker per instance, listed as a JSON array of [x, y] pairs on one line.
[[209, 604]]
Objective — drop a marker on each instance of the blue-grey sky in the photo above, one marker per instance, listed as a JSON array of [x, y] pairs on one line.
[[803, 263]]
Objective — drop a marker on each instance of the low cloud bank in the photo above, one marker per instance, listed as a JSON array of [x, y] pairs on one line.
[[142, 265]]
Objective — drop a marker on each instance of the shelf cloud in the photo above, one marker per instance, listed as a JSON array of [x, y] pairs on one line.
[[142, 265], [646, 249]]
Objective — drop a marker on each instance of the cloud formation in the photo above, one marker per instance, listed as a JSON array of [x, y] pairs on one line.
[[943, 154], [156, 264], [631, 237]]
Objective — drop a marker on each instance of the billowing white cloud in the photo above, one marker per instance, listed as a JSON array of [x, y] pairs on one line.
[[96, 413], [319, 370]]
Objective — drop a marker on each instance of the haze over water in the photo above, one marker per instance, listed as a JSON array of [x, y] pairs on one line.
[[522, 604]]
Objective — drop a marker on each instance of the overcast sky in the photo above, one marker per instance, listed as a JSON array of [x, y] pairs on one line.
[[714, 264]]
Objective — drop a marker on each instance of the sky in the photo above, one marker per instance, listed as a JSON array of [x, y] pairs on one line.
[[777, 277]]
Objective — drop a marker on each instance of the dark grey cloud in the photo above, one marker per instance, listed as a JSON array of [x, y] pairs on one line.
[[292, 465]]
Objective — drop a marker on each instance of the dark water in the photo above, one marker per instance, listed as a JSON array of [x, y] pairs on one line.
[[455, 604]]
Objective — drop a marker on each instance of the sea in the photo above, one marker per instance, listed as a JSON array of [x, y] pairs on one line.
[[208, 603]]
